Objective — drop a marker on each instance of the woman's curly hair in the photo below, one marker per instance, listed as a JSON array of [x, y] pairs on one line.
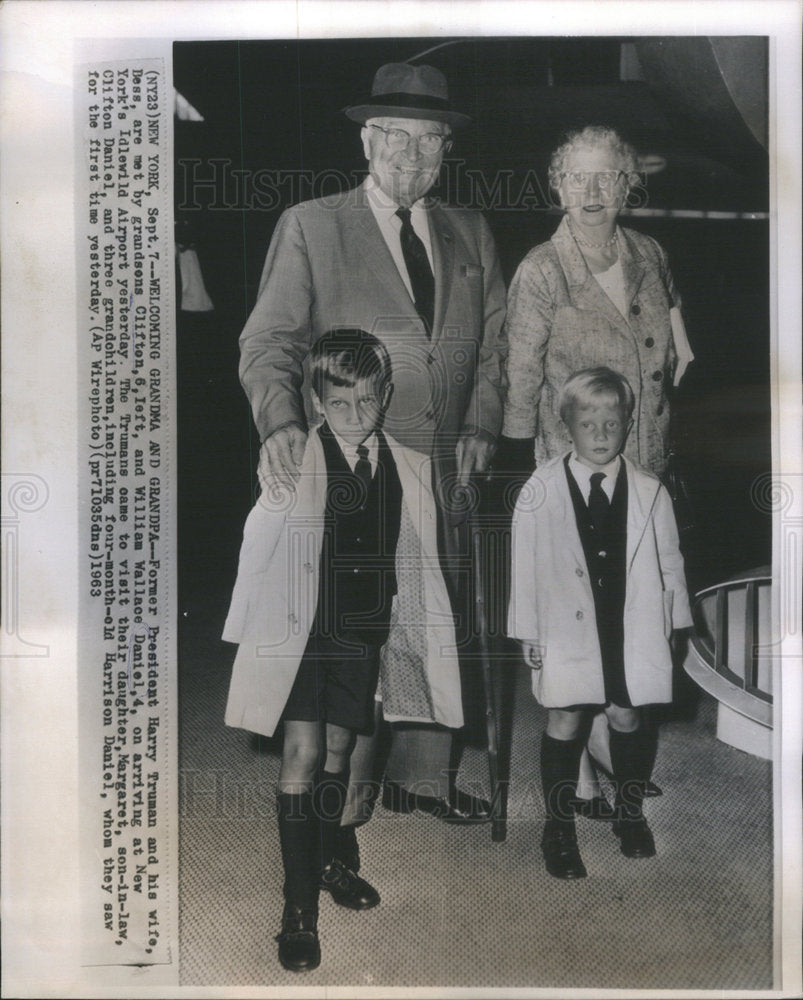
[[590, 136]]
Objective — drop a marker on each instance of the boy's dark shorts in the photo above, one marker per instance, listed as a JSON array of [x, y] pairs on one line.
[[335, 683]]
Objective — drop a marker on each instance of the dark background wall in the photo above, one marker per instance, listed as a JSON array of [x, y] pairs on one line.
[[274, 134]]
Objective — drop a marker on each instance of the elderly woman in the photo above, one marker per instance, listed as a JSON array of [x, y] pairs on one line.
[[594, 294]]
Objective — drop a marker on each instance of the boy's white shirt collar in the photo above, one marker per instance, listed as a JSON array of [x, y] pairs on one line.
[[350, 450], [582, 474]]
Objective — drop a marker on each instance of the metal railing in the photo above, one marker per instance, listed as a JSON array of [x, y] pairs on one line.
[[725, 655]]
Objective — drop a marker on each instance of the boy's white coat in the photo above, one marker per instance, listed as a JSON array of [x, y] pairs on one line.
[[552, 604], [276, 592]]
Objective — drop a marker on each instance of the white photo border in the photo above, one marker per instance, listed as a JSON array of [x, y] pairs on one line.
[[41, 44]]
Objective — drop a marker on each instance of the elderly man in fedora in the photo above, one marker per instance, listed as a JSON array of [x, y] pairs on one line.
[[425, 279]]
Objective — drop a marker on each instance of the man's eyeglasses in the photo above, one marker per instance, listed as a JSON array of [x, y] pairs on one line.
[[577, 179], [429, 142]]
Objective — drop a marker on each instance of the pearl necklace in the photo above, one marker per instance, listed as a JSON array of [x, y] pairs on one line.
[[593, 246]]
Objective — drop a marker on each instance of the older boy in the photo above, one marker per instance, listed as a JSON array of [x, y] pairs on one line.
[[597, 588], [312, 608]]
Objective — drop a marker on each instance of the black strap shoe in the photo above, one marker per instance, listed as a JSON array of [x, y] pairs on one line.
[[460, 807], [299, 948], [635, 836], [560, 850], [348, 889]]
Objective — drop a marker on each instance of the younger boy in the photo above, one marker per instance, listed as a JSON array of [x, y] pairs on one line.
[[311, 610], [597, 587]]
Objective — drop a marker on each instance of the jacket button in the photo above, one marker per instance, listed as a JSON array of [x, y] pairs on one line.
[[599, 582], [578, 571], [579, 616], [649, 342], [602, 554], [635, 309], [657, 376], [356, 570]]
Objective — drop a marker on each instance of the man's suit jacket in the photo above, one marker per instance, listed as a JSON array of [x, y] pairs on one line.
[[560, 320], [328, 265]]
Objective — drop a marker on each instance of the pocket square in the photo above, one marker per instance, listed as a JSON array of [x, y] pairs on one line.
[[472, 270]]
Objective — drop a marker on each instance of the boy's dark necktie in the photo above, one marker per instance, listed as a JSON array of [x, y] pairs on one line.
[[418, 269], [598, 503], [362, 470]]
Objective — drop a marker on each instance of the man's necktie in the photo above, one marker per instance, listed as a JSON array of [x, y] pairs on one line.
[[598, 504], [362, 470], [418, 269]]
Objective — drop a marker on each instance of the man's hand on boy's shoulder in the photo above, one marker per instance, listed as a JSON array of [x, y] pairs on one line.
[[533, 653], [280, 458]]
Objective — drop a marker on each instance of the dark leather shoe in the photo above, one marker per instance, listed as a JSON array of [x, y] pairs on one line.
[[596, 808], [299, 949], [460, 807], [636, 840], [651, 790], [560, 850], [348, 889]]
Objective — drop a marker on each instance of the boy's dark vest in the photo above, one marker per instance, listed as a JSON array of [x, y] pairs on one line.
[[358, 557], [605, 549]]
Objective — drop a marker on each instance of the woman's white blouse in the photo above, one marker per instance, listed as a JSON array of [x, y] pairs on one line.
[[612, 282]]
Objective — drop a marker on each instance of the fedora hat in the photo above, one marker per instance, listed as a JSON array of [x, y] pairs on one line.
[[404, 91]]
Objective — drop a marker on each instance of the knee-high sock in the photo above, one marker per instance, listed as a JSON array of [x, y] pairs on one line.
[[631, 760], [560, 763], [329, 799], [299, 839]]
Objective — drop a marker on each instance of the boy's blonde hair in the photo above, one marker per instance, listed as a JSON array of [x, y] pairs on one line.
[[580, 387]]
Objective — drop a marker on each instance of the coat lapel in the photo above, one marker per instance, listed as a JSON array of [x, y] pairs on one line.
[[414, 471], [374, 251], [633, 269], [442, 238], [641, 494], [555, 479], [585, 289]]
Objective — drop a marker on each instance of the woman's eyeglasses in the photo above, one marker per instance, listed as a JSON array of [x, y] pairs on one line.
[[578, 179]]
